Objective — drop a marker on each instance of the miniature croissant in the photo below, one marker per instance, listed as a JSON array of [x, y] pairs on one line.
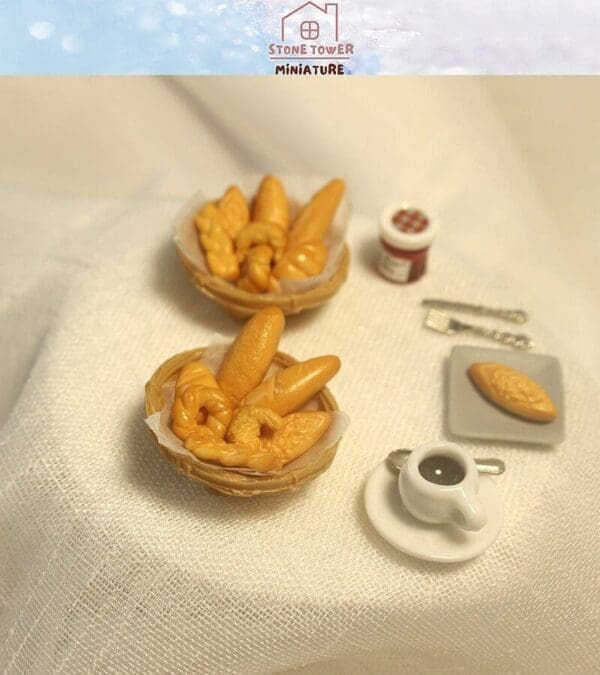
[[297, 433], [301, 261]]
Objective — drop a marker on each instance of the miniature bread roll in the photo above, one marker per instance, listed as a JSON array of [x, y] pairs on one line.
[[292, 387], [513, 391], [249, 357], [271, 204], [234, 207], [297, 433], [314, 219]]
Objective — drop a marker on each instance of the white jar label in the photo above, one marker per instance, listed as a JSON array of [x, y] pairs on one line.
[[395, 269]]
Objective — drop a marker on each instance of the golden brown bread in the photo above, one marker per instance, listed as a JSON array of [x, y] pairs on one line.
[[314, 220], [256, 271], [212, 226], [249, 357], [297, 433], [512, 390], [271, 204], [234, 207], [195, 372], [301, 261], [292, 387]]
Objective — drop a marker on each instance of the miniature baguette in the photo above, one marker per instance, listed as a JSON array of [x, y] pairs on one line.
[[249, 357], [271, 204], [292, 387], [512, 390], [315, 218]]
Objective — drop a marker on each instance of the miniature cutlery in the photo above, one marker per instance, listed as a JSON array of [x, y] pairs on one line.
[[396, 459], [444, 323], [514, 315]]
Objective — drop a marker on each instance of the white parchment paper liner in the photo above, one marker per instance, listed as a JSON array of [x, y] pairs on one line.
[[299, 190], [160, 422]]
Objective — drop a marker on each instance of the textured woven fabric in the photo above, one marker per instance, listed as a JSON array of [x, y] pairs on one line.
[[112, 562]]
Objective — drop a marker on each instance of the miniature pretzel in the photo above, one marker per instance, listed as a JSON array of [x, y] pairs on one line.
[[301, 261], [234, 207], [315, 218], [213, 449], [257, 268], [194, 372], [188, 406], [260, 233], [271, 204], [247, 424]]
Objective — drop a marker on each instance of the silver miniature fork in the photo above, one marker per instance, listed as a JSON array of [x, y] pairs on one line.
[[444, 323], [514, 315]]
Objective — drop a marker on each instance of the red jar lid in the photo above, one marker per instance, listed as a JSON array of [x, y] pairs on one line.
[[407, 228]]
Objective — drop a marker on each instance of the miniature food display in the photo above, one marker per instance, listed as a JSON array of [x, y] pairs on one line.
[[237, 420], [513, 391], [257, 246]]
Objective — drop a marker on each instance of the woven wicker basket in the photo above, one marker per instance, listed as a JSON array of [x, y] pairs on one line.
[[223, 480], [243, 304]]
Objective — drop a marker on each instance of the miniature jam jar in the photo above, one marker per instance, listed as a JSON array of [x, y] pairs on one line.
[[406, 235]]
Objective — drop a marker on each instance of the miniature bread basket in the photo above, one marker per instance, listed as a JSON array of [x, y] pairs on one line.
[[293, 298], [221, 479]]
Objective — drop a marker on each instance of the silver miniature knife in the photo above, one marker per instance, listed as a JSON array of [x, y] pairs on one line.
[[514, 315]]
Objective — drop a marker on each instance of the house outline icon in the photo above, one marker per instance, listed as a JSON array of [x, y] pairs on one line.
[[304, 7]]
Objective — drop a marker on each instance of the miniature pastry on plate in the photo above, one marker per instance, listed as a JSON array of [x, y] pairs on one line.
[[235, 419], [513, 391]]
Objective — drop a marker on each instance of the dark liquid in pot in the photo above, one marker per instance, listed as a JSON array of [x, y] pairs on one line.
[[441, 470]]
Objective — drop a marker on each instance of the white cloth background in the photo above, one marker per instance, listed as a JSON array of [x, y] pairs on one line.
[[112, 562]]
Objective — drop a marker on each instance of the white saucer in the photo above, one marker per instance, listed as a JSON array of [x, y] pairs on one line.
[[440, 543]]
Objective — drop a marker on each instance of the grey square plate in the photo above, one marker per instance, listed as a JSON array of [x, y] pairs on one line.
[[473, 416]]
